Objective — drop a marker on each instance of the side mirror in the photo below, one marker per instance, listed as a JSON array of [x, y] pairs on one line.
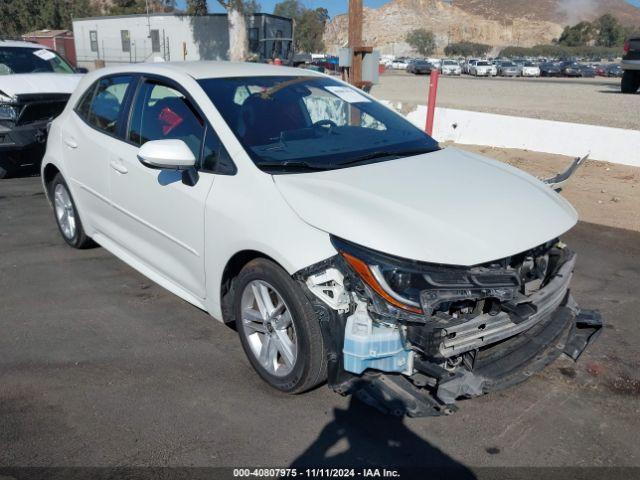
[[82, 70], [166, 155]]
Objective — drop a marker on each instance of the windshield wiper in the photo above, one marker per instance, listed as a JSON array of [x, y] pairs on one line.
[[294, 165], [387, 153]]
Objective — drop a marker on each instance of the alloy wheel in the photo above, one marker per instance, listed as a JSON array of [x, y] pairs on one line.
[[269, 328], [65, 213]]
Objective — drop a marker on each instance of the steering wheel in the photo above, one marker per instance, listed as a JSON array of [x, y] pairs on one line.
[[321, 123]]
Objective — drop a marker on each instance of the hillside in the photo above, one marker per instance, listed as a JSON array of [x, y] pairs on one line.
[[495, 22]]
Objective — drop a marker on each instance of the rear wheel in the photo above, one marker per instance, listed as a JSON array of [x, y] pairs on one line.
[[278, 328], [66, 214], [630, 81]]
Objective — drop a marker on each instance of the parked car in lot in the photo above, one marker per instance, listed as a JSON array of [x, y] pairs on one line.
[[587, 71], [507, 69], [481, 68], [338, 247], [571, 69], [35, 84], [419, 67], [550, 69], [614, 70], [529, 69], [631, 65], [466, 66], [451, 67], [400, 63]]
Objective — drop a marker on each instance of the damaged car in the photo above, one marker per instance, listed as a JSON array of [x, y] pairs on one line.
[[35, 84], [343, 242]]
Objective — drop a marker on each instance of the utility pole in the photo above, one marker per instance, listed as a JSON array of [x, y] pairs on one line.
[[355, 44]]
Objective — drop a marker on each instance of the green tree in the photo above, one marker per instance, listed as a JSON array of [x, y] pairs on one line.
[[310, 24], [197, 7], [290, 9], [310, 30], [610, 32], [18, 17], [577, 35], [422, 40], [466, 49]]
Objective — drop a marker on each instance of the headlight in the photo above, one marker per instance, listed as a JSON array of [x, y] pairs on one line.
[[418, 287], [8, 112]]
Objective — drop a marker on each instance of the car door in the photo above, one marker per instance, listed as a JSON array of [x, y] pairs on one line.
[[88, 136], [158, 218]]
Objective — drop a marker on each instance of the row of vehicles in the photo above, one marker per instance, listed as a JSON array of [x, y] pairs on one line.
[[506, 67]]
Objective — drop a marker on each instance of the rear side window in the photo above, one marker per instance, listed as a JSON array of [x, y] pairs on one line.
[[102, 105], [161, 113]]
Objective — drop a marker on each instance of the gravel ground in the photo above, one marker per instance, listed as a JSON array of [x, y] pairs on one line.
[[101, 367], [595, 101]]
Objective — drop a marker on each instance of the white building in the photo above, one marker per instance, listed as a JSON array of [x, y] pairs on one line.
[[175, 37]]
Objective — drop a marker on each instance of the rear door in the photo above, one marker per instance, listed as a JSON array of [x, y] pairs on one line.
[[158, 218], [89, 136]]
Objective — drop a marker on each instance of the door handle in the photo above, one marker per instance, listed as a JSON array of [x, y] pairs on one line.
[[118, 166], [70, 142]]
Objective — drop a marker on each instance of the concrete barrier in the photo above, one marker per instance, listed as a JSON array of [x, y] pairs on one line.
[[614, 145]]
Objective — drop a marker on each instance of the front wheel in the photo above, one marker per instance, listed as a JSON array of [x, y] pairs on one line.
[[66, 214], [630, 81], [278, 328]]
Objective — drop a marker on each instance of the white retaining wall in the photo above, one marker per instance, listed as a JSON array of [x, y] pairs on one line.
[[614, 145]]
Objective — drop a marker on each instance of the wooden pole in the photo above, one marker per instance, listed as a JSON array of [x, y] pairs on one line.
[[355, 41]]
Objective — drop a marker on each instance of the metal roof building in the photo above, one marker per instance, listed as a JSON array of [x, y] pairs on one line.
[[124, 39]]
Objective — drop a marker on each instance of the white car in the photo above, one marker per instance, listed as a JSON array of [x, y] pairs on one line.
[[481, 68], [324, 224], [528, 69], [35, 84], [400, 64], [451, 67]]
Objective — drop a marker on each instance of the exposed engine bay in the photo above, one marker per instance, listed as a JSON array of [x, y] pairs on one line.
[[23, 127], [411, 338]]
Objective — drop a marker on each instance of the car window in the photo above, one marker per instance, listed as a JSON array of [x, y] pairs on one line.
[[161, 112], [314, 122], [215, 157], [31, 60], [102, 107]]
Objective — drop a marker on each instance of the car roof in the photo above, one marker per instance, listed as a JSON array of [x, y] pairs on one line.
[[212, 69], [14, 43]]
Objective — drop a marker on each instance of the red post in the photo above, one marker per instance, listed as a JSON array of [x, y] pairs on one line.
[[431, 105]]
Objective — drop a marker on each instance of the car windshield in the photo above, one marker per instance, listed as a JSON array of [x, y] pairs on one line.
[[482, 64], [31, 60], [303, 123], [508, 64]]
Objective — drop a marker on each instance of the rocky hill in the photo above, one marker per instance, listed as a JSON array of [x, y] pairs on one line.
[[494, 22]]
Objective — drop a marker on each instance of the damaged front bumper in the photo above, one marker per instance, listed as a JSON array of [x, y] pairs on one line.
[[420, 365]]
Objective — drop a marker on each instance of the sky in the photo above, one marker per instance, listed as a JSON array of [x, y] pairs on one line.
[[335, 7]]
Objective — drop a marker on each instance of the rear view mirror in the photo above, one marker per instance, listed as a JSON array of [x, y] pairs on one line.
[[166, 155]]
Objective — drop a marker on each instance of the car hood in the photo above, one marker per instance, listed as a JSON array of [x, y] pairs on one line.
[[30, 83], [450, 207]]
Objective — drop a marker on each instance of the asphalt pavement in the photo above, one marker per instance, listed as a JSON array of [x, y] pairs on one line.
[[101, 367]]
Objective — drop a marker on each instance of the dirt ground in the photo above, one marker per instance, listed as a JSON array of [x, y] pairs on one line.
[[603, 193], [594, 101]]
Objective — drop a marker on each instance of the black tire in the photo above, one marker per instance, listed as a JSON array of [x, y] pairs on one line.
[[79, 240], [310, 366], [630, 81]]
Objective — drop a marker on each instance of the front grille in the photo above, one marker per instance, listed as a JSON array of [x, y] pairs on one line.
[[41, 111]]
